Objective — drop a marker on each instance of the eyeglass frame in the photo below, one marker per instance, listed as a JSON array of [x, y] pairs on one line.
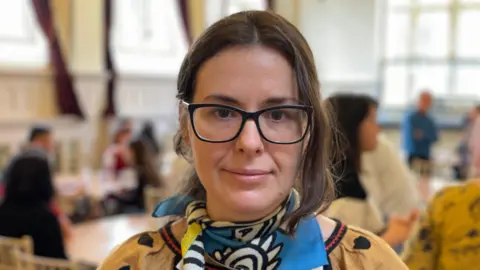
[[191, 107]]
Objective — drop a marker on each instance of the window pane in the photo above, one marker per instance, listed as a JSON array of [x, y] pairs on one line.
[[13, 20], [468, 81], [235, 6], [140, 27], [395, 91], [397, 34], [433, 78], [396, 3], [432, 34], [468, 37]]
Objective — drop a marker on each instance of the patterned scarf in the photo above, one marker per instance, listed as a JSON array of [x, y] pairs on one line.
[[257, 245]]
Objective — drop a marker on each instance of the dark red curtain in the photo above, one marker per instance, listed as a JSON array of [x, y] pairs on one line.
[[183, 5], [65, 93], [109, 109]]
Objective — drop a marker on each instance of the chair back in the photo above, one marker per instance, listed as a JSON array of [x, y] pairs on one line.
[[27, 261], [7, 245]]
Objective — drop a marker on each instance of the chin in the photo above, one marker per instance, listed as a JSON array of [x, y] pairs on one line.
[[252, 204]]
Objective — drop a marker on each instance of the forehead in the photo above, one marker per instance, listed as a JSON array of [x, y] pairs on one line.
[[247, 74]]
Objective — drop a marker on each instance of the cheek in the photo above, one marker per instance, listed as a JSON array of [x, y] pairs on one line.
[[206, 156], [365, 137], [369, 137], [287, 159]]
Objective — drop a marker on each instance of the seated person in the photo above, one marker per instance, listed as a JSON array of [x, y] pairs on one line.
[[26, 209], [390, 182], [449, 234], [358, 200], [40, 144], [146, 174], [115, 157]]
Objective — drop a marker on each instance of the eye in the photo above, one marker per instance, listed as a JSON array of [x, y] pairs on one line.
[[277, 115], [223, 113]]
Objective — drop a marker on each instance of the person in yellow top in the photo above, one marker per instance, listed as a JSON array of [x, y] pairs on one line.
[[252, 126], [449, 234]]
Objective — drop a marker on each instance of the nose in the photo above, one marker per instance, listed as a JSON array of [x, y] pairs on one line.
[[250, 141]]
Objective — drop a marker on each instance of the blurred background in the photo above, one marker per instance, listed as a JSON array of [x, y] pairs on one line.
[[123, 59], [98, 73]]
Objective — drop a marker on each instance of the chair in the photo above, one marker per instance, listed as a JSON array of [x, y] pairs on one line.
[[27, 261], [7, 245]]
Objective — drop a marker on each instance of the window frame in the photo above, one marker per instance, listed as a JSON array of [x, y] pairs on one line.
[[452, 60]]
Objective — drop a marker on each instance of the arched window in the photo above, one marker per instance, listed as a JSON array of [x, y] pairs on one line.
[[22, 43], [148, 37]]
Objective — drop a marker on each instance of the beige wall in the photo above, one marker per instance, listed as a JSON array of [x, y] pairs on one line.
[[87, 52]]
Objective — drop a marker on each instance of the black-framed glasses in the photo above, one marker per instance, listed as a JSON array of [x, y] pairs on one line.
[[218, 123]]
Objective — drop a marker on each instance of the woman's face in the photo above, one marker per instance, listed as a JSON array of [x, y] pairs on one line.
[[247, 178], [369, 130]]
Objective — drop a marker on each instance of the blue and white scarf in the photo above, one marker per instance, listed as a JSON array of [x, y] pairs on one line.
[[257, 245]]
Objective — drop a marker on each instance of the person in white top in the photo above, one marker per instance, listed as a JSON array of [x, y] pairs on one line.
[[388, 180]]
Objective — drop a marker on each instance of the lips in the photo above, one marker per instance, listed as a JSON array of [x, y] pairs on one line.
[[247, 172], [248, 176]]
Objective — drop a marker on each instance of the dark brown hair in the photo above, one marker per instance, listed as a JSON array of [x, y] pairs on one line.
[[28, 181], [143, 160], [263, 28], [38, 131], [348, 112]]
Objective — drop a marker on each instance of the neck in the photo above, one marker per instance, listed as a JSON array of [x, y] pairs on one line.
[[421, 111]]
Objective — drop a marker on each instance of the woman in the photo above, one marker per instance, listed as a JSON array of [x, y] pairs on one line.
[[146, 173], [148, 136], [358, 190], [115, 157], [355, 117], [26, 209], [252, 125], [449, 234]]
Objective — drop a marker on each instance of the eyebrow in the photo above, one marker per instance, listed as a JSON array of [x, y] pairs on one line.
[[269, 102]]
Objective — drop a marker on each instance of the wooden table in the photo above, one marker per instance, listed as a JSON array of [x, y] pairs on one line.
[[92, 241]]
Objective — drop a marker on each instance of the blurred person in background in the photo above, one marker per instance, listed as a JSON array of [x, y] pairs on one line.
[[41, 145], [149, 137], [464, 149], [449, 233], [26, 209], [146, 173], [126, 124], [391, 183], [116, 156], [362, 194], [474, 144], [40, 142], [419, 133]]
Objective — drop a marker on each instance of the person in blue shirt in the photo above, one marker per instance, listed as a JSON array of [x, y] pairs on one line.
[[419, 133]]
